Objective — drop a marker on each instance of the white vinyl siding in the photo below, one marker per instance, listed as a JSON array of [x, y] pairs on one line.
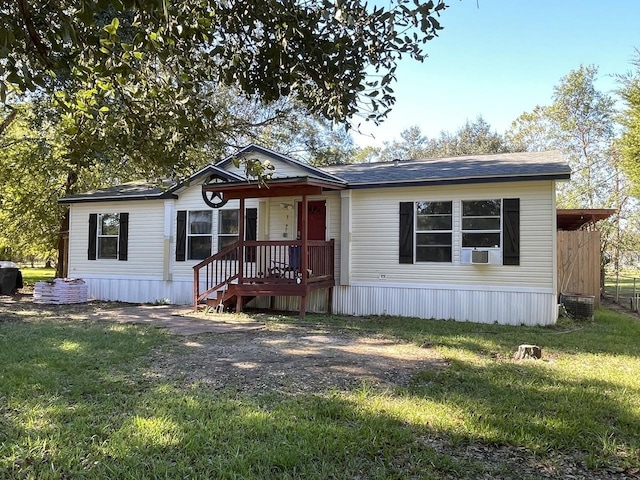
[[145, 240], [375, 220]]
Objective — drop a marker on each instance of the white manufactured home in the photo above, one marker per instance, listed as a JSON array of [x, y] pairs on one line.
[[468, 238]]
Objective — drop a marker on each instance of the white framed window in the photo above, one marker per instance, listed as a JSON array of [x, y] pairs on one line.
[[199, 234], [481, 223], [228, 221], [433, 232], [107, 235]]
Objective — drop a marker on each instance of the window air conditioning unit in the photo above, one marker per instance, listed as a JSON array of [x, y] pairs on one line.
[[480, 257]]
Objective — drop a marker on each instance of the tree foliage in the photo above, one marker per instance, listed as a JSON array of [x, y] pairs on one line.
[[473, 138], [156, 87], [34, 173], [41, 161], [580, 122], [308, 138], [630, 139], [335, 58]]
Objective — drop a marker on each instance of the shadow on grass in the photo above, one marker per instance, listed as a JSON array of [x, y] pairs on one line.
[[76, 402], [610, 333], [532, 405], [80, 401]]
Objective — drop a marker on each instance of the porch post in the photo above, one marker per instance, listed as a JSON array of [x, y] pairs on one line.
[[240, 254], [304, 260]]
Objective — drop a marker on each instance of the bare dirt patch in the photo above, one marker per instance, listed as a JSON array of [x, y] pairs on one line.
[[287, 358], [293, 359]]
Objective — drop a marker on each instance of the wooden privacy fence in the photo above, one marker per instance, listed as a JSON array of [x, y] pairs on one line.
[[579, 263]]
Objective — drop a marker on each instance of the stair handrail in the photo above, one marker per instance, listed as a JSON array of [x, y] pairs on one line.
[[197, 295]]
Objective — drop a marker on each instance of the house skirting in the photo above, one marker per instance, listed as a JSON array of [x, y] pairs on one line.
[[179, 291], [140, 289], [468, 303]]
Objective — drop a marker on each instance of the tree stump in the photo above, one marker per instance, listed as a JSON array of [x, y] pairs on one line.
[[528, 351]]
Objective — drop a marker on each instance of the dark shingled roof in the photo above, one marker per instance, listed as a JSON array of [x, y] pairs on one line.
[[138, 190], [141, 190], [452, 170]]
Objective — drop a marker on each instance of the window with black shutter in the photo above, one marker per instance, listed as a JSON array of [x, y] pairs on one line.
[[108, 236], [427, 230]]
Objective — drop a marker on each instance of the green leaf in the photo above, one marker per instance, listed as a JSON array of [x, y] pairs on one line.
[[112, 28]]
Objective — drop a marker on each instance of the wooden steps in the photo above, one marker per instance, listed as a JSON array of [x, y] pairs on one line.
[[227, 299]]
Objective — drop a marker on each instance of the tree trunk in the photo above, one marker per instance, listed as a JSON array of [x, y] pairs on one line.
[[61, 264], [528, 351], [62, 245]]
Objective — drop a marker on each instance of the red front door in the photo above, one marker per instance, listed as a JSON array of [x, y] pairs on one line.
[[316, 219]]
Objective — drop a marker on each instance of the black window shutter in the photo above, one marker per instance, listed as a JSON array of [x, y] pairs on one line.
[[251, 224], [511, 231], [406, 232], [123, 239], [181, 235], [251, 232], [93, 236]]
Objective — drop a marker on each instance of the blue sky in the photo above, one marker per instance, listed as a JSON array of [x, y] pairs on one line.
[[500, 58]]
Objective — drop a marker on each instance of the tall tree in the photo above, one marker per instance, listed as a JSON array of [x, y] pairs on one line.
[[309, 138], [42, 159], [584, 117], [137, 82], [34, 173], [336, 58], [531, 131], [411, 144], [580, 122], [630, 118], [473, 138]]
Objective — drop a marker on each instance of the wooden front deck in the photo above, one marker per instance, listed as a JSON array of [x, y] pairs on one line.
[[249, 269]]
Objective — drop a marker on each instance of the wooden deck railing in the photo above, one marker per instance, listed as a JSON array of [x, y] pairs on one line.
[[214, 272], [263, 262]]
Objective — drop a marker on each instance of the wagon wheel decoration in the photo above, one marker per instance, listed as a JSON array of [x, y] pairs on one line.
[[214, 199], [211, 197]]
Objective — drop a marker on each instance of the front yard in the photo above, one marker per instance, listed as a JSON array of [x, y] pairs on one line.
[[88, 399]]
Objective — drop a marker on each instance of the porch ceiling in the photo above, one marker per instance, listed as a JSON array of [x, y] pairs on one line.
[[278, 187], [574, 219]]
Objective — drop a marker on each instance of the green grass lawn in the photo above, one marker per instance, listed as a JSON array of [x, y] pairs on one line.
[[79, 400], [32, 275]]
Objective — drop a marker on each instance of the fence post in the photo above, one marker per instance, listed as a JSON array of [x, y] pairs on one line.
[[634, 302]]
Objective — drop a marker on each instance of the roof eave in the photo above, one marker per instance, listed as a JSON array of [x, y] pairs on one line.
[[460, 180], [116, 198]]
